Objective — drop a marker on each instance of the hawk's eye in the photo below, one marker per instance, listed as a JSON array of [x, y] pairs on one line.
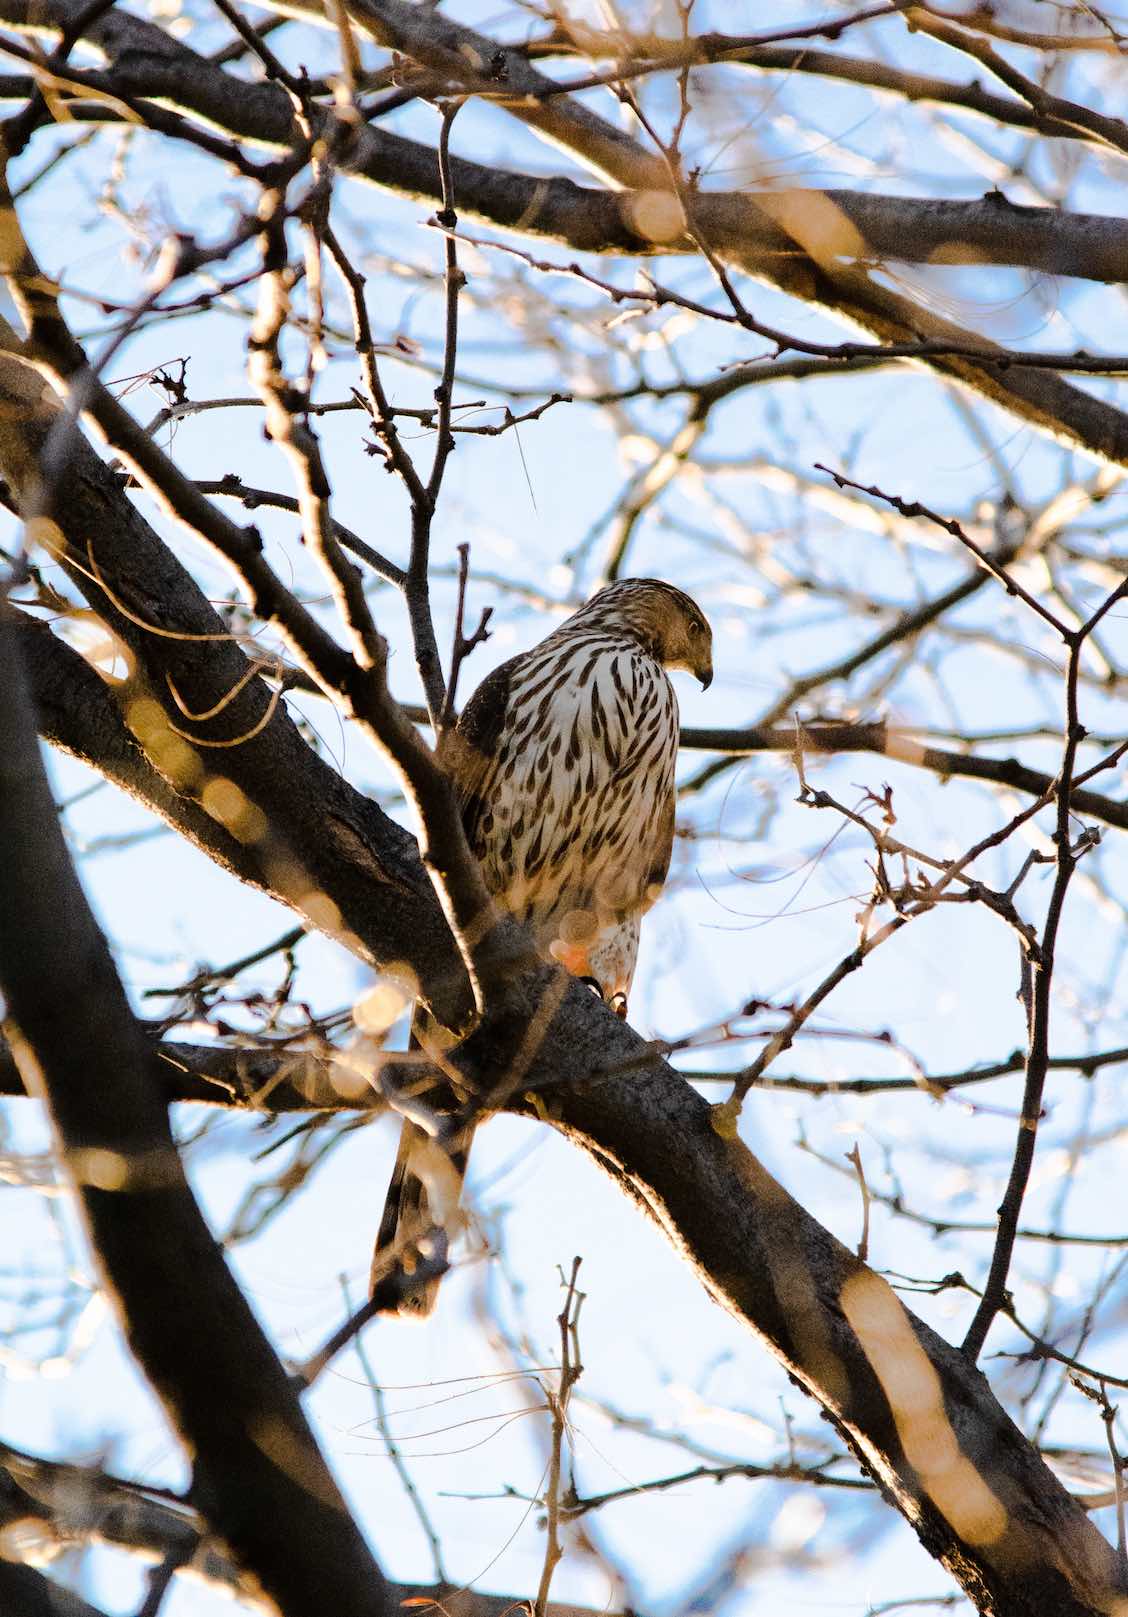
[[694, 626]]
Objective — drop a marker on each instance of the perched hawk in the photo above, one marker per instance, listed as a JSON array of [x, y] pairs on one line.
[[563, 762]]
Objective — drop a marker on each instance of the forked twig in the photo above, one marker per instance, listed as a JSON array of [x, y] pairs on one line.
[[571, 1370], [854, 1157], [464, 644]]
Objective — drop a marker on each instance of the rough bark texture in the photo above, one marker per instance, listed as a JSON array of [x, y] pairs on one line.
[[920, 1417]]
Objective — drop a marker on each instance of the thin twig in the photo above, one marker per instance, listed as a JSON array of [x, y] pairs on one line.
[[454, 280], [392, 1297], [727, 1112], [289, 428], [463, 644], [1067, 854], [812, 1476], [855, 1158], [571, 1369], [844, 355], [232, 486], [1108, 1415], [393, 1451], [417, 587], [913, 508], [161, 1576], [1099, 1396]]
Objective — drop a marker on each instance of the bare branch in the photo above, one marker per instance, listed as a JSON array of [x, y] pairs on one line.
[[1067, 854], [769, 234], [352, 854], [571, 1370], [68, 1501], [143, 1221]]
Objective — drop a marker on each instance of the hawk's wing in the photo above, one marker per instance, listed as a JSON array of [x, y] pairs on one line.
[[663, 849], [473, 746]]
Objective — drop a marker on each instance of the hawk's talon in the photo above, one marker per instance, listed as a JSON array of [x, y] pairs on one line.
[[618, 1001]]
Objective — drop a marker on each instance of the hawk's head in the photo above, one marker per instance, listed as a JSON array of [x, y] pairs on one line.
[[671, 624]]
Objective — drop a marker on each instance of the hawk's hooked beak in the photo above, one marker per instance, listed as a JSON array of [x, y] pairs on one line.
[[704, 672]]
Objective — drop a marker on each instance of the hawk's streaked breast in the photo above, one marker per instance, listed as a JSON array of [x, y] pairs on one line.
[[564, 760]]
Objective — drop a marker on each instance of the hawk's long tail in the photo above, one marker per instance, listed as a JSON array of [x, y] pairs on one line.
[[419, 1210]]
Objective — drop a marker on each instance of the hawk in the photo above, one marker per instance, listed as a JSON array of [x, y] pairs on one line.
[[563, 763]]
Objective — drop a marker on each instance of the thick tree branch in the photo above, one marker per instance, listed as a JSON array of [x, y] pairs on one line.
[[490, 945], [77, 712], [966, 1479], [890, 741], [803, 240], [1113, 132], [243, 1078], [159, 614], [984, 1505], [257, 1078], [731, 1222], [257, 1469], [473, 61], [974, 1490], [821, 235], [147, 62], [72, 1503], [919, 1417]]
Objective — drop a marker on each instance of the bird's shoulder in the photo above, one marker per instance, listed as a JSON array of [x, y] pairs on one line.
[[472, 747], [482, 721]]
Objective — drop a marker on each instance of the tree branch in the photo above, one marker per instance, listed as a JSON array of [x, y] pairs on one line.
[[772, 1266], [889, 741], [77, 712], [258, 1473], [490, 945], [69, 1502], [973, 1488], [355, 863], [663, 54], [804, 241]]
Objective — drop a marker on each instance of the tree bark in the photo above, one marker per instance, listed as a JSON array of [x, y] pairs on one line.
[[314, 839], [258, 1474], [920, 1417]]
